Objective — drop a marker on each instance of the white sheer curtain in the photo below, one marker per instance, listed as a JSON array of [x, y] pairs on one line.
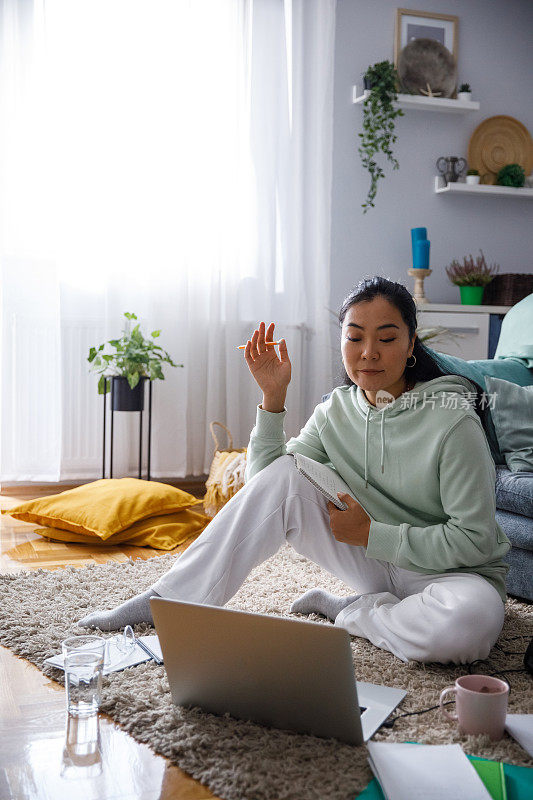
[[170, 158]]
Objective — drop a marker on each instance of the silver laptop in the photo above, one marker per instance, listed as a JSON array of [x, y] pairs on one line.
[[285, 673]]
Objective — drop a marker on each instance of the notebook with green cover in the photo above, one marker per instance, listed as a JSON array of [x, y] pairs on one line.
[[517, 783]]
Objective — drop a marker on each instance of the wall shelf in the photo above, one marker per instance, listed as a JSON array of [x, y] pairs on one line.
[[480, 189], [420, 103]]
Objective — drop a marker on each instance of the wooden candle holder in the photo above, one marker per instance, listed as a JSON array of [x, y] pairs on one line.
[[419, 275]]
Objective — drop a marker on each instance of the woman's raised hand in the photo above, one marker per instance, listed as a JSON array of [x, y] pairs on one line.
[[272, 373]]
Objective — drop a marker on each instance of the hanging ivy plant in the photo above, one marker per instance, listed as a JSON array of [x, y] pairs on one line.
[[378, 123]]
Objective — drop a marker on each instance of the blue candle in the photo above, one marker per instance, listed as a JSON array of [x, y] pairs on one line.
[[416, 234], [421, 254]]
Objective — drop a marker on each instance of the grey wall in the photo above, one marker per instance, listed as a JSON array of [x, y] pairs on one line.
[[496, 57]]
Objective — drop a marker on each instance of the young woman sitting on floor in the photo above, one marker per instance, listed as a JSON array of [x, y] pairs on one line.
[[409, 441]]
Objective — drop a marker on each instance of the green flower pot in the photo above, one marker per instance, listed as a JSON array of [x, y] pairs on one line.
[[471, 295]]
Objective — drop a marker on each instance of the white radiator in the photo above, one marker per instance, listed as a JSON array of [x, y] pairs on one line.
[[82, 405], [31, 419]]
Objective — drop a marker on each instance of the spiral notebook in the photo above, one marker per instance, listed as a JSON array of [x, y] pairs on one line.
[[325, 479]]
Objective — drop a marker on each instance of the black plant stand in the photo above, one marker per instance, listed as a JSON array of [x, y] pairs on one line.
[[140, 433]]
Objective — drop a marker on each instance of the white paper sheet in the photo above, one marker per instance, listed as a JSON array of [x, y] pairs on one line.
[[425, 772], [520, 726]]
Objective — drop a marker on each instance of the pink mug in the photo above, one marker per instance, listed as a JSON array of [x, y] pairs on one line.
[[481, 704]]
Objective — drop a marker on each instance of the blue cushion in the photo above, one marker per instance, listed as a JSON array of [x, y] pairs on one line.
[[512, 414], [506, 369], [471, 370], [514, 491], [458, 366], [516, 335]]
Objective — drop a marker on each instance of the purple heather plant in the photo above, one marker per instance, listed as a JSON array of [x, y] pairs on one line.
[[471, 273]]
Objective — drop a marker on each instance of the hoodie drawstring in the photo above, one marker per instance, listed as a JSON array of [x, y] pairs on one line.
[[382, 440], [382, 444], [366, 447]]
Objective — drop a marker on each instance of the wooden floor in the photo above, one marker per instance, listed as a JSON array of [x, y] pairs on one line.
[[43, 755]]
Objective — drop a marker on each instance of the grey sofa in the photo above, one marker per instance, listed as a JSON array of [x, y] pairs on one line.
[[514, 514]]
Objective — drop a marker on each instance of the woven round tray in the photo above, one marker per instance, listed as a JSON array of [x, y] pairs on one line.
[[498, 141]]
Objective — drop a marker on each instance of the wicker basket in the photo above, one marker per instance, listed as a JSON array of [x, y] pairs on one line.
[[226, 475], [507, 289]]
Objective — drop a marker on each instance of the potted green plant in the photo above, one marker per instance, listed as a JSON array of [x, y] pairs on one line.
[[378, 123], [511, 175], [472, 176], [134, 360], [471, 277], [464, 92]]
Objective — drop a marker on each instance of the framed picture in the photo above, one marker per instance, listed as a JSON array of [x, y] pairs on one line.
[[425, 25]]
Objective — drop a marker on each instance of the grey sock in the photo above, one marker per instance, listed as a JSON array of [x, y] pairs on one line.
[[135, 610], [317, 601]]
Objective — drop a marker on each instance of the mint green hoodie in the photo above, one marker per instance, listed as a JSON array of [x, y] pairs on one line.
[[421, 467]]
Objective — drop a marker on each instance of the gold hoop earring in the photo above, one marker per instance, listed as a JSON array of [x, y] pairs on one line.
[[414, 362]]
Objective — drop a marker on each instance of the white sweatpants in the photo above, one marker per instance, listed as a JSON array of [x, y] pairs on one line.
[[449, 617]]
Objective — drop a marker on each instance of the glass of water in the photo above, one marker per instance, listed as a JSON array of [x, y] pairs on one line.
[[84, 661]]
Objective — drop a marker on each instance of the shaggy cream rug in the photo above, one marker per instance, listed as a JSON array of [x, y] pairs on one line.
[[240, 760]]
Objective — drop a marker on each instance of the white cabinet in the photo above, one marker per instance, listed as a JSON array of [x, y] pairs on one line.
[[472, 329]]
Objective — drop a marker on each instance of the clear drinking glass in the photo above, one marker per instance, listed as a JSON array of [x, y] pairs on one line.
[[84, 661]]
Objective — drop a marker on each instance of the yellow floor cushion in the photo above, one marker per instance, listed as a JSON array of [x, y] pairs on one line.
[[104, 508], [163, 532]]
